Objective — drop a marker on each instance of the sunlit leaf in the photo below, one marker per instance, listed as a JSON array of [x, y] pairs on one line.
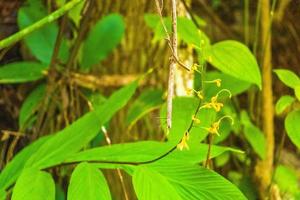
[[14, 168], [102, 39], [253, 135], [286, 178], [74, 137], [283, 103], [297, 92], [149, 184], [288, 77], [20, 72], [87, 182], [34, 184], [292, 127], [236, 86], [194, 182], [235, 59], [145, 151]]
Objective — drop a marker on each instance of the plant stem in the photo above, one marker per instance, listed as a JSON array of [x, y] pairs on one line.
[[172, 66], [263, 169], [46, 20]]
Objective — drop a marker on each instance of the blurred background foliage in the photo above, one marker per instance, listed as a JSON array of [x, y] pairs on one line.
[[136, 45]]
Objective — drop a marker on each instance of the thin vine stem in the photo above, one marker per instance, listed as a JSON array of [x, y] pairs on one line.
[[46, 20]]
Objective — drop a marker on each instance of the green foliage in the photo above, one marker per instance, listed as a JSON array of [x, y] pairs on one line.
[[236, 86], [286, 178], [87, 182], [283, 103], [30, 105], [235, 59], [288, 77], [187, 30], [192, 182], [183, 111], [41, 42], [292, 127], [101, 40], [14, 168], [254, 136], [34, 184], [65, 142], [148, 100], [20, 72], [149, 184]]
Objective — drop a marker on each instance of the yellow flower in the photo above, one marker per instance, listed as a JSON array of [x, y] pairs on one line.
[[200, 94], [214, 104], [214, 129], [218, 82], [183, 143], [195, 119], [189, 91], [194, 67]]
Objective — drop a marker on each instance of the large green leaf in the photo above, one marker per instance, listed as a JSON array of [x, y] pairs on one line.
[[253, 135], [87, 182], [284, 102], [146, 102], [183, 111], [292, 127], [41, 42], [34, 184], [102, 39], [74, 137], [144, 151], [187, 181], [235, 59], [13, 169], [236, 86], [297, 92], [186, 29], [20, 72], [288, 77], [286, 178], [149, 184], [31, 104]]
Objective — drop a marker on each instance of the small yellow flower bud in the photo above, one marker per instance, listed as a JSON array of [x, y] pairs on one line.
[[200, 94], [183, 143], [196, 120]]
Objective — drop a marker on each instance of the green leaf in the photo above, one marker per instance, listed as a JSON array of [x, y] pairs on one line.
[[292, 127], [127, 152], [145, 151], [87, 182], [286, 178], [13, 169], [102, 39], [254, 136], [235, 59], [42, 41], [297, 92], [20, 72], [186, 29], [194, 182], [236, 86], [78, 134], [283, 103], [34, 184], [288, 77], [2, 195], [31, 104], [149, 184], [145, 103], [183, 111], [256, 139]]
